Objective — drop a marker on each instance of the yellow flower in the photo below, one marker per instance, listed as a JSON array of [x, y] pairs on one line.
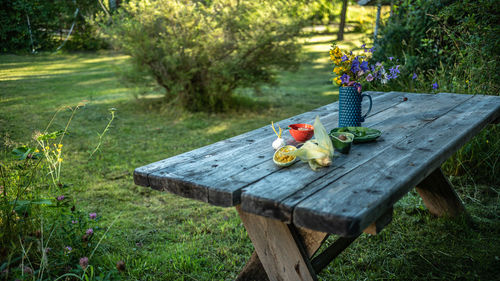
[[337, 80], [59, 160], [47, 147], [58, 150], [36, 150], [60, 145]]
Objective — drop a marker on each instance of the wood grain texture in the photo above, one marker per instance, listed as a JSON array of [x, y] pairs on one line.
[[254, 270], [350, 204], [276, 196], [209, 167], [438, 195], [276, 248]]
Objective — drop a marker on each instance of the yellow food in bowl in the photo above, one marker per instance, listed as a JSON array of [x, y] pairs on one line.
[[281, 157]]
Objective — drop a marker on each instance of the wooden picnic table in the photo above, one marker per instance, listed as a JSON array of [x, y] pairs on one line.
[[288, 212]]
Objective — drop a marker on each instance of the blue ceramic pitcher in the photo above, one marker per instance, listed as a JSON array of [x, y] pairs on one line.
[[350, 107]]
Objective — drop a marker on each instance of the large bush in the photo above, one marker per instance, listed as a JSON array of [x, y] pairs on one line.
[[200, 51]]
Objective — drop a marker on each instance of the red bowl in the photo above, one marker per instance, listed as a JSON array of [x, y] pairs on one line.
[[301, 132]]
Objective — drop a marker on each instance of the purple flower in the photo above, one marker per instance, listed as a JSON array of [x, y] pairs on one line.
[[60, 197], [372, 50], [369, 78], [391, 58], [378, 64], [355, 65], [68, 248], [84, 262], [364, 66], [435, 86], [92, 216], [344, 58], [363, 46], [89, 231], [394, 72], [74, 221], [344, 79], [414, 76]]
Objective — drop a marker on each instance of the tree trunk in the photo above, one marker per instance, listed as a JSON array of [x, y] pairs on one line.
[[340, 35]]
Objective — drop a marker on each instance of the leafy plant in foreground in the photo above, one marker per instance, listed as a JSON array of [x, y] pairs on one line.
[[43, 234]]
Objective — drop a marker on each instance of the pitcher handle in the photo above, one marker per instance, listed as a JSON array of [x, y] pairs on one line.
[[369, 108]]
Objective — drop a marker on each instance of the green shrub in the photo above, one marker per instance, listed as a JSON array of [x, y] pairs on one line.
[[200, 53], [454, 44]]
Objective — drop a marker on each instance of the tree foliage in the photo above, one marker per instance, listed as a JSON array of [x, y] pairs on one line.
[[200, 51], [47, 20]]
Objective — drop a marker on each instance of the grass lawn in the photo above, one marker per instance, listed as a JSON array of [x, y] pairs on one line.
[[164, 237]]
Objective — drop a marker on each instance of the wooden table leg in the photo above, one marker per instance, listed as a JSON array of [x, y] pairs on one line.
[[279, 254], [439, 196]]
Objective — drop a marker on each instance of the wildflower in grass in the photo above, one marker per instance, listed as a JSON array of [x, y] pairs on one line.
[[60, 197], [74, 221], [394, 71], [344, 58], [27, 270], [68, 249], [89, 231], [391, 58], [369, 77], [92, 216], [414, 76], [435, 86], [372, 50], [120, 265], [59, 160], [345, 78], [84, 262]]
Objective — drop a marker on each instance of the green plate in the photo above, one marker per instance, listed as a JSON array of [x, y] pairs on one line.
[[361, 134]]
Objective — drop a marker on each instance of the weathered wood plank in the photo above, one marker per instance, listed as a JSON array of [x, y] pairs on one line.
[[276, 248], [226, 146], [276, 196], [438, 195], [258, 145], [212, 168], [227, 190], [350, 204]]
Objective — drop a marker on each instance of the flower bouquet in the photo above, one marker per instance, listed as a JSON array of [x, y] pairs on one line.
[[351, 72]]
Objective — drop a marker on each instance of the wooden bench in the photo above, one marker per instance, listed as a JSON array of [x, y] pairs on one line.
[[288, 212]]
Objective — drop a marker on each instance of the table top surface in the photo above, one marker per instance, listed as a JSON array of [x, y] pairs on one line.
[[419, 132]]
